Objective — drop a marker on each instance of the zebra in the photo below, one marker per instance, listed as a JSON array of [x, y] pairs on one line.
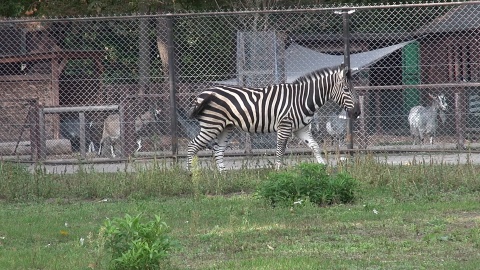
[[282, 108]]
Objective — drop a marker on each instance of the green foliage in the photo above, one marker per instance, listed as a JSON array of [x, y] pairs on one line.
[[419, 179], [423, 206], [14, 178], [308, 181], [12, 8], [18, 184], [15, 8], [137, 245], [422, 178], [9, 171]]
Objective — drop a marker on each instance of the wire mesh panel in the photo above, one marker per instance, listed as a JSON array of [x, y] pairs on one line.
[[117, 87], [77, 68], [253, 50], [260, 62], [438, 60], [17, 116]]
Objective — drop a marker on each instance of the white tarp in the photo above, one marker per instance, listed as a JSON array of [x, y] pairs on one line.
[[301, 60]]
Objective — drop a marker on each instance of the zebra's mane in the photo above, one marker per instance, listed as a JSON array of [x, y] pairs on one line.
[[319, 72]]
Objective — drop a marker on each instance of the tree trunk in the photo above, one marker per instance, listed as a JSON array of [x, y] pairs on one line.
[[162, 41]]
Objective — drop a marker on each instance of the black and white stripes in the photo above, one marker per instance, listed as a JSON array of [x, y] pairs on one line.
[[281, 108]]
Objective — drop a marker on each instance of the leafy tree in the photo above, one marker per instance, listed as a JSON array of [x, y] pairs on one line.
[[19, 8], [16, 8]]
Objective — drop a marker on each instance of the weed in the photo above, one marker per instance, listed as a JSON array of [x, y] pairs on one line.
[[137, 245], [421, 178], [14, 178], [308, 181]]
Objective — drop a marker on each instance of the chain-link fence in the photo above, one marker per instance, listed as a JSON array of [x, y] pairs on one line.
[[103, 88]]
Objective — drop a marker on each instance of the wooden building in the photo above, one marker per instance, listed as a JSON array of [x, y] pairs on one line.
[[450, 54], [31, 68]]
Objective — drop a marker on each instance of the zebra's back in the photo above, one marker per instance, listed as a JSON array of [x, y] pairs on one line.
[[254, 110]]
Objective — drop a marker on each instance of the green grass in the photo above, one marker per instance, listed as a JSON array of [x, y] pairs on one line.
[[421, 216]]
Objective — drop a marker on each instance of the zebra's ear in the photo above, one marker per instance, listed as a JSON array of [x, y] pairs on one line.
[[345, 71]]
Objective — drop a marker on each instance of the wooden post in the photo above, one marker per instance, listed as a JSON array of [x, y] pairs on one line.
[[173, 87], [57, 66], [459, 119]]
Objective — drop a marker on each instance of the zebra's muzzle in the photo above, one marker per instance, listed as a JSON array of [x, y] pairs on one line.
[[354, 112]]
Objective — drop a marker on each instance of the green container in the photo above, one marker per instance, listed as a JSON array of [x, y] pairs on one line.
[[411, 75]]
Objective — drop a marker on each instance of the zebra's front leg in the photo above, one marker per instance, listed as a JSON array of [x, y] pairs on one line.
[[139, 143], [219, 147], [112, 150], [100, 147], [420, 138], [305, 135]]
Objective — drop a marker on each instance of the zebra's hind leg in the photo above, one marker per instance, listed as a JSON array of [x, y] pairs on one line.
[[305, 135], [282, 138], [219, 148], [198, 143]]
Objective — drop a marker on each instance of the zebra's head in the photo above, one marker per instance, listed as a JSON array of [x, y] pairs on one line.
[[343, 94]]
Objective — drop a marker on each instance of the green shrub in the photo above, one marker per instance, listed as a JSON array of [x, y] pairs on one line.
[[137, 245], [307, 181]]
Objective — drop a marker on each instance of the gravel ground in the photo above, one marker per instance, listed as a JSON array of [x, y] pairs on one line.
[[260, 162]]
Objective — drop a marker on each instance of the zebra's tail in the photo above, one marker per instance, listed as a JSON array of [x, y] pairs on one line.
[[199, 107]]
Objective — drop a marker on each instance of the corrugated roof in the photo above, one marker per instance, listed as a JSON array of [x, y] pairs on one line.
[[462, 18]]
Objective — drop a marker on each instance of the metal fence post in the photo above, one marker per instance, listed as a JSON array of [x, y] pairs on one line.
[[172, 86], [34, 122], [346, 60], [363, 140], [127, 127], [81, 118], [42, 154]]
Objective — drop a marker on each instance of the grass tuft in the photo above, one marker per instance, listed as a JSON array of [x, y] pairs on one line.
[[398, 214]]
